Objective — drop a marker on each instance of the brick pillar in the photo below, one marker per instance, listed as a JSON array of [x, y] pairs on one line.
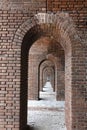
[[9, 87], [60, 93], [68, 89], [33, 87], [79, 88]]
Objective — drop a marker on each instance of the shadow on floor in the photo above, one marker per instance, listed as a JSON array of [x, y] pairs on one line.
[[29, 128], [42, 99]]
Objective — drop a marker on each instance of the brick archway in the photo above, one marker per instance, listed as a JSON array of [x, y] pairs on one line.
[[48, 72], [61, 28], [43, 65]]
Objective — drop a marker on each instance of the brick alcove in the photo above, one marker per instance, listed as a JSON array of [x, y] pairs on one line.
[[61, 28]]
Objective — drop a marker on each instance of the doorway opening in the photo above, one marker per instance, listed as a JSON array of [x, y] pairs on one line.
[[45, 63]]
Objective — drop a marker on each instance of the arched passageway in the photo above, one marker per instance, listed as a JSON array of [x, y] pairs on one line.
[[47, 72], [46, 62], [48, 75], [44, 52], [59, 27]]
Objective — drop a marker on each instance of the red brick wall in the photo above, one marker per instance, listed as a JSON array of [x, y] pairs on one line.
[[76, 8]]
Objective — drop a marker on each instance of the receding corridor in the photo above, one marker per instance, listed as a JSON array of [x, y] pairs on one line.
[[47, 113]]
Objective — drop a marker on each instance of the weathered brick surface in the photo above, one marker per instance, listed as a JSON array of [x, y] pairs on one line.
[[15, 21], [76, 8]]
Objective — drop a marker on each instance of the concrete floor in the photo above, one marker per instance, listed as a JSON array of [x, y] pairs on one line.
[[47, 113]]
